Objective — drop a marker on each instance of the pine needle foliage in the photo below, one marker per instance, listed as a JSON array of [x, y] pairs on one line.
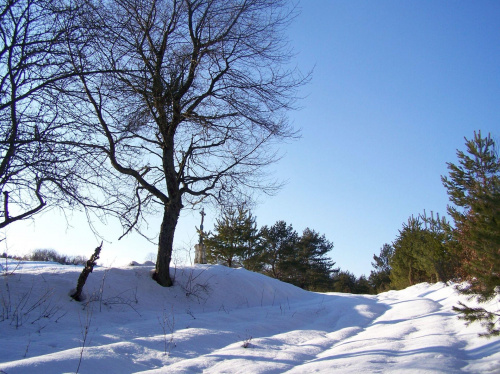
[[315, 267], [234, 242], [473, 187], [423, 252], [489, 320], [277, 251], [380, 277]]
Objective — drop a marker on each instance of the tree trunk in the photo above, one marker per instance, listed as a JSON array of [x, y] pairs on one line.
[[165, 244], [89, 267]]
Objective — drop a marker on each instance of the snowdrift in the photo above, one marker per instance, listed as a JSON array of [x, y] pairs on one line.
[[221, 320]]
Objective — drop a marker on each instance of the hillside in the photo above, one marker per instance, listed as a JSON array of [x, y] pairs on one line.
[[221, 320]]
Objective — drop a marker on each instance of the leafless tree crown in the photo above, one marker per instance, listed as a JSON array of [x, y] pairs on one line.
[[33, 170], [154, 104], [197, 96]]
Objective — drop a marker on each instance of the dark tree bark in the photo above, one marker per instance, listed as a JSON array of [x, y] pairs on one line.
[[82, 279], [165, 243], [192, 104]]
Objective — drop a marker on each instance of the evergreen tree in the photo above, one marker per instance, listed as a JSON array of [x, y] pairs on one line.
[[234, 242], [277, 251], [422, 253], [380, 277], [278, 245], [439, 249], [315, 268], [299, 260], [473, 187], [344, 281], [406, 269], [363, 286]]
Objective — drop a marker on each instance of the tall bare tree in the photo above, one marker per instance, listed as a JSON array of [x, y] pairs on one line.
[[194, 101]]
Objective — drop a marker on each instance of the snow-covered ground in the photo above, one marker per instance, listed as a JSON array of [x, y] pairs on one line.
[[221, 320]]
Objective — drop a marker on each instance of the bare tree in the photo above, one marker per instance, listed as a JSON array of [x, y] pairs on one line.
[[34, 171], [193, 103], [41, 165]]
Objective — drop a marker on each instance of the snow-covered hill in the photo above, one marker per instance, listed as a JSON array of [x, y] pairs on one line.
[[221, 320]]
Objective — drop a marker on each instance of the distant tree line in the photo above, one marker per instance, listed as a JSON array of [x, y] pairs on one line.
[[419, 254], [50, 255]]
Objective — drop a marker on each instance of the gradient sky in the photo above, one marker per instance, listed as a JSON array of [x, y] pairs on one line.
[[396, 87]]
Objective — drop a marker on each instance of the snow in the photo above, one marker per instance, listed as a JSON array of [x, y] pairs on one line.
[[221, 320]]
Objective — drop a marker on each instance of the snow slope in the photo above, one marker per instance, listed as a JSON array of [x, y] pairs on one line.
[[221, 320]]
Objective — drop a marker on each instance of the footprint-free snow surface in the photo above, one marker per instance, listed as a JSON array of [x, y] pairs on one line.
[[221, 320]]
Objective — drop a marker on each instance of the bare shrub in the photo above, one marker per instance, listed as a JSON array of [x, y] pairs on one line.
[[85, 329], [167, 324], [9, 267], [247, 341], [29, 307], [192, 287], [53, 256], [125, 298]]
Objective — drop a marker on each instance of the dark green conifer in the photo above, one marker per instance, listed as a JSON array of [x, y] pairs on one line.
[[315, 267], [422, 253], [234, 242], [474, 190], [406, 267], [380, 277], [344, 281], [279, 243], [299, 260]]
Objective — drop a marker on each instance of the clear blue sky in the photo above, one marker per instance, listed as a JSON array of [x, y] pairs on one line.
[[396, 87]]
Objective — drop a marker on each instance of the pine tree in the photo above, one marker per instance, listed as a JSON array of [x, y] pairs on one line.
[[422, 252], [278, 250], [299, 260], [234, 242], [473, 187], [315, 267], [344, 281], [439, 248], [363, 286], [380, 277], [406, 268]]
